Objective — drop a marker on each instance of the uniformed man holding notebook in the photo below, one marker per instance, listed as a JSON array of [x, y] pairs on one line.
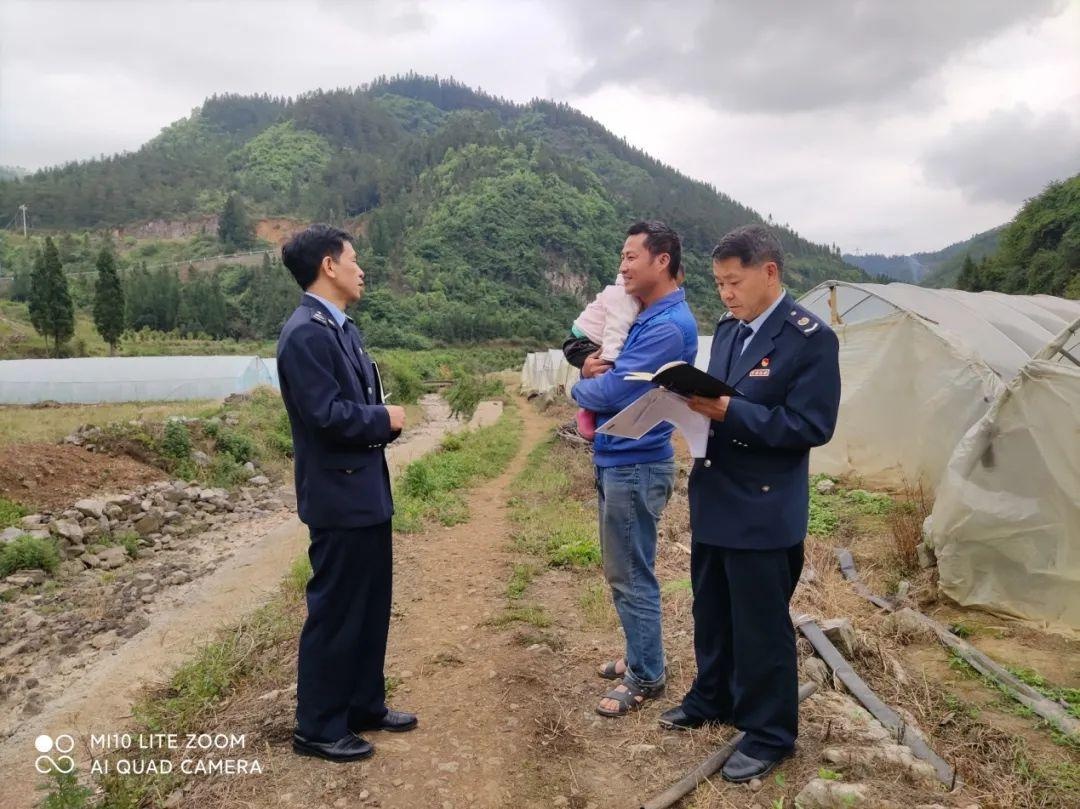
[[749, 501]]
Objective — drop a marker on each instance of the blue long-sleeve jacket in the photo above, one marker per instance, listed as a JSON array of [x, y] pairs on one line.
[[663, 333]]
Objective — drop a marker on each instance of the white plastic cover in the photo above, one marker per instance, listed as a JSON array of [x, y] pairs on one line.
[[1006, 520], [1003, 331], [908, 394], [90, 380]]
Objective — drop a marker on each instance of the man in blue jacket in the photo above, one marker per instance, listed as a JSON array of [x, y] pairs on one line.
[[634, 478], [749, 500], [340, 427]]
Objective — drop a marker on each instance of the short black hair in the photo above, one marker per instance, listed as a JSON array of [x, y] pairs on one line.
[[659, 238], [752, 245], [304, 252]]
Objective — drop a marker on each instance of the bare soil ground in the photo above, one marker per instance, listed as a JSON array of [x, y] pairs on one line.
[[53, 476]]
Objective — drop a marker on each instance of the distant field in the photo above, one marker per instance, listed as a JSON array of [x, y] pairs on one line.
[[20, 425]]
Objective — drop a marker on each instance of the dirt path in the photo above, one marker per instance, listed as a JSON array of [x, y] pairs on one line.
[[453, 670], [98, 698]]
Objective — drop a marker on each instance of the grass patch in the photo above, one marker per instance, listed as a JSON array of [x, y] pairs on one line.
[[128, 540], [527, 638], [675, 586], [197, 686], [29, 553], [298, 576], [874, 503], [550, 519], [22, 424], [1068, 697], [428, 489], [532, 615], [10, 512], [520, 579], [596, 606], [823, 516]]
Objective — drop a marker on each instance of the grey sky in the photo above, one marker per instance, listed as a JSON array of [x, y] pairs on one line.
[[880, 126]]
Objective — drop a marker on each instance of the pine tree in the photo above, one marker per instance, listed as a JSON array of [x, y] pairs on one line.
[[968, 278], [234, 227], [51, 310], [108, 301]]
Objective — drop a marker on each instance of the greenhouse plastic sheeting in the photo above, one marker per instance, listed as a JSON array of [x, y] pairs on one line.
[[90, 380], [908, 395], [1006, 521], [1003, 331]]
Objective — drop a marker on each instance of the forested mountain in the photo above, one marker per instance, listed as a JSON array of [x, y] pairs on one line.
[[1039, 251], [477, 218], [937, 269]]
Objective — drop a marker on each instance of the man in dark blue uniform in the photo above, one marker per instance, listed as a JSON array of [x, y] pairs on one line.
[[749, 501], [340, 427]]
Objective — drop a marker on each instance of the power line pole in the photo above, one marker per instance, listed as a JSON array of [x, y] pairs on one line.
[[23, 209]]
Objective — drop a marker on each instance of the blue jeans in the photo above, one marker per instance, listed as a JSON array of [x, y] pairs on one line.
[[631, 499]]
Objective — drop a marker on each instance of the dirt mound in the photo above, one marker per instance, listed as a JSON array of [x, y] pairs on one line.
[[277, 230], [53, 476]]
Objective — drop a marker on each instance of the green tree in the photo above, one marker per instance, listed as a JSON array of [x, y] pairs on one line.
[[270, 299], [969, 275], [108, 300], [20, 283], [234, 227], [202, 307], [152, 299], [51, 310]]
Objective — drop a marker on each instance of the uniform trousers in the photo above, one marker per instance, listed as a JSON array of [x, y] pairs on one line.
[[744, 643], [340, 683]]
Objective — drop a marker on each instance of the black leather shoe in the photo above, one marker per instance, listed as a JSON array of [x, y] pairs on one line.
[[678, 719], [394, 721], [741, 768], [347, 748]]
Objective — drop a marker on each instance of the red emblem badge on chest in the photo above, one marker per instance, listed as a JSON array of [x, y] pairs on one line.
[[765, 363]]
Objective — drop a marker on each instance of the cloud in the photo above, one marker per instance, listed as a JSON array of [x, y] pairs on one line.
[[837, 116], [778, 56], [1007, 156], [79, 78]]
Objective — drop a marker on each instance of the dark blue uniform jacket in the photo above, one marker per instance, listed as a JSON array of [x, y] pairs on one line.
[[333, 394], [751, 491]]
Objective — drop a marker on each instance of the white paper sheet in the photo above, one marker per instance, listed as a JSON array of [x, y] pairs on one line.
[[654, 407]]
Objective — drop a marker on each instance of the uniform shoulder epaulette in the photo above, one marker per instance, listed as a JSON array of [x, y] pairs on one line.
[[319, 317], [725, 317], [807, 324]]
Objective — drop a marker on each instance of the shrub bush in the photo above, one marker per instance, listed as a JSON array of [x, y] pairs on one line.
[[176, 441], [27, 552]]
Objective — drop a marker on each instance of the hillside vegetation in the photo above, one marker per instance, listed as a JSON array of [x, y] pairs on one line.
[[1039, 251], [477, 218]]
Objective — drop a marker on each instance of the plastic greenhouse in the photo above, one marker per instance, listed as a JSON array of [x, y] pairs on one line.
[[976, 395], [919, 367], [90, 380], [1006, 520]]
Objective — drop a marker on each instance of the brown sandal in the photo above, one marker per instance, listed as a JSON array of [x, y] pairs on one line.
[[630, 698]]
